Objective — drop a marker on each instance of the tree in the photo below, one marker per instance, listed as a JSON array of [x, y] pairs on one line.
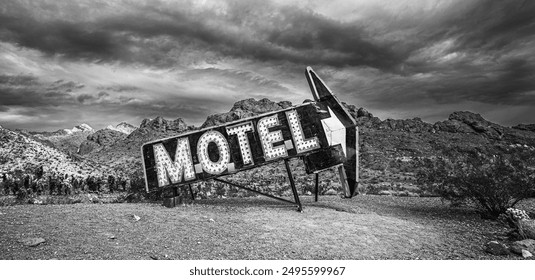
[[492, 182]]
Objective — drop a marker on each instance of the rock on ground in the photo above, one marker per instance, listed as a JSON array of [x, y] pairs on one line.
[[32, 242], [385, 193], [110, 236], [496, 248], [331, 192], [526, 244], [526, 254]]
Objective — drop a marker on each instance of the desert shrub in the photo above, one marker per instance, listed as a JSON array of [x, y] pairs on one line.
[[8, 201], [22, 194], [137, 184], [220, 189], [492, 183], [137, 191], [308, 186]]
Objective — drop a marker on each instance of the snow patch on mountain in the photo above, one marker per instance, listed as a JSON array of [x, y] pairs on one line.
[[123, 127], [79, 128]]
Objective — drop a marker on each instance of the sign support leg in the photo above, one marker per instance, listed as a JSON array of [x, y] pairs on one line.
[[174, 200], [317, 187], [292, 184], [343, 180], [252, 190], [191, 192]]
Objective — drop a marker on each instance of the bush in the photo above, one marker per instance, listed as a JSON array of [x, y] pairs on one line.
[[493, 183], [137, 191]]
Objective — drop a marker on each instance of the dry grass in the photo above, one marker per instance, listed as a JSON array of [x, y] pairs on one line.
[[365, 227]]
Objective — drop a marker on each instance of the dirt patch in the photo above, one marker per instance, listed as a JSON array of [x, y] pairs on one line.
[[365, 227]]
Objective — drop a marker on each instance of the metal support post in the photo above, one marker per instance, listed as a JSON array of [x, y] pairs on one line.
[[292, 184], [252, 190], [191, 191], [317, 187]]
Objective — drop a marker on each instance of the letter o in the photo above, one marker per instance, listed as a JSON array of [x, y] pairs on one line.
[[207, 164]]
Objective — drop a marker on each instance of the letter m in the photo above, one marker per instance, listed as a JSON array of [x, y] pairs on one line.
[[169, 170]]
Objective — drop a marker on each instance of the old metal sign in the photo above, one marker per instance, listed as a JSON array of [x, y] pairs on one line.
[[322, 133]]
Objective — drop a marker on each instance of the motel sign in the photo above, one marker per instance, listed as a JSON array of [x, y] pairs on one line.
[[322, 133]]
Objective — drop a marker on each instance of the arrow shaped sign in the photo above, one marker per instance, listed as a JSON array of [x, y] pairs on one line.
[[335, 131], [322, 133], [340, 128]]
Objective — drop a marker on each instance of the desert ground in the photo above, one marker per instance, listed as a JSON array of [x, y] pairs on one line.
[[366, 227]]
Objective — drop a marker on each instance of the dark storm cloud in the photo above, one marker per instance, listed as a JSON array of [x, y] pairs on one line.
[[443, 54], [28, 91], [59, 37], [120, 88], [298, 37], [308, 32], [508, 84], [495, 25], [294, 35], [61, 85], [486, 27], [85, 97], [480, 53], [29, 95], [150, 34], [18, 80]]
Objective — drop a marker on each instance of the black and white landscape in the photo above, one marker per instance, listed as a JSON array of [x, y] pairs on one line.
[[431, 85]]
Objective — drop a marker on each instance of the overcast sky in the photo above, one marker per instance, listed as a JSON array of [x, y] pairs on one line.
[[102, 62]]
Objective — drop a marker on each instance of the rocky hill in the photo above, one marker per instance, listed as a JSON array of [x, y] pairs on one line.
[[244, 109], [123, 127], [66, 140], [100, 139], [528, 127], [388, 148], [20, 153], [121, 152]]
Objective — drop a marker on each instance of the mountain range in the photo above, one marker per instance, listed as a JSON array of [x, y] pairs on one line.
[[387, 147], [21, 153]]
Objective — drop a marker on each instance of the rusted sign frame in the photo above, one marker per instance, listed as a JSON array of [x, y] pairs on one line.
[[334, 130]]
